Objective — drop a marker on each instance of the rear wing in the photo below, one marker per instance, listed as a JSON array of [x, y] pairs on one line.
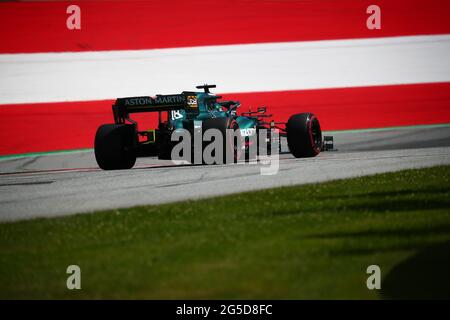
[[124, 106]]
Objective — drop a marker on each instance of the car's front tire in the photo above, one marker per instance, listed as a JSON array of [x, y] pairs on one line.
[[304, 135]]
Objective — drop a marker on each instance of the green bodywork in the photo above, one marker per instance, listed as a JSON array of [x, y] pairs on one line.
[[209, 107]]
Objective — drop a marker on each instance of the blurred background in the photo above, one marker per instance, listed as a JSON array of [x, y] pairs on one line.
[[57, 84]]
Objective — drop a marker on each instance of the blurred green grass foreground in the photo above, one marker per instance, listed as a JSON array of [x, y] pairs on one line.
[[303, 242]]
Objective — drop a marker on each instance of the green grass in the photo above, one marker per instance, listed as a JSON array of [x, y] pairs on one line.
[[311, 241]]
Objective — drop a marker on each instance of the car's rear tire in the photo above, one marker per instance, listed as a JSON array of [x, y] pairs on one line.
[[304, 135], [230, 146], [113, 146]]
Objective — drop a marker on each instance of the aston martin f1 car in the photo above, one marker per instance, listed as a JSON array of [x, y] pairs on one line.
[[118, 145]]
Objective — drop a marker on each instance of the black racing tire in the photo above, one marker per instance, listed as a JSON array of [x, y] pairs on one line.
[[304, 135], [113, 146], [222, 124]]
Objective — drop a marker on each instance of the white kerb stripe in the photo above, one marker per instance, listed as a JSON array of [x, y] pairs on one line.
[[51, 77]]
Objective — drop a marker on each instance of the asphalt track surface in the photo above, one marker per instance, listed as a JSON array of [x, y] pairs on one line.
[[56, 185]]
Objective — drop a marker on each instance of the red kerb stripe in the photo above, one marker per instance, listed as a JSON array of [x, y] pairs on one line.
[[72, 125], [120, 25]]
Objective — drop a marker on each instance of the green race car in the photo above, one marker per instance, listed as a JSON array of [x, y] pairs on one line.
[[118, 145]]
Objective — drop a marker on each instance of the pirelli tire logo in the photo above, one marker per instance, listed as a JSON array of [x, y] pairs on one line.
[[192, 102]]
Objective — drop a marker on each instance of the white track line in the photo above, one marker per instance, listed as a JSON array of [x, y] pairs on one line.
[[48, 77]]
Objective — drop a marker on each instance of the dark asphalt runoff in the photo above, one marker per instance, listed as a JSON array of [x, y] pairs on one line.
[[62, 184]]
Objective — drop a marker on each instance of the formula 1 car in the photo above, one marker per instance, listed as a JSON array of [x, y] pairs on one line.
[[117, 145]]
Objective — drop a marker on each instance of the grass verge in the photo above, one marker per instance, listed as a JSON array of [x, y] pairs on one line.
[[310, 241]]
